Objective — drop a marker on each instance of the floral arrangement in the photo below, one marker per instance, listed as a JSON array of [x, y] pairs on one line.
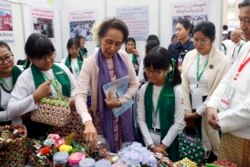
[[136, 155], [41, 151]]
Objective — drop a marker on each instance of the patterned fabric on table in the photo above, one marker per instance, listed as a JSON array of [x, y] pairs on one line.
[[235, 149], [191, 147]]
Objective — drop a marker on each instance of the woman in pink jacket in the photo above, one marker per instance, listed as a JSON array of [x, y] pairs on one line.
[[106, 65]]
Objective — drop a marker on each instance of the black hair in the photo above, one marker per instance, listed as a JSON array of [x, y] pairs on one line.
[[113, 23], [79, 37], [207, 28], [4, 44], [159, 58], [150, 45], [186, 24], [38, 46], [172, 38], [225, 27], [244, 3], [73, 41], [128, 40], [153, 37]]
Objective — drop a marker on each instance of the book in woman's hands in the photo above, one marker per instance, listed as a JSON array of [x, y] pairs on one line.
[[118, 87]]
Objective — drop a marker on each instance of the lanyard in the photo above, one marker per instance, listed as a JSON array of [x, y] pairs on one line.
[[155, 112], [76, 68], [199, 74], [242, 66], [54, 82], [5, 86]]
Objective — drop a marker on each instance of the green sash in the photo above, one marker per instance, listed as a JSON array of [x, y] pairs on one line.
[[134, 59], [15, 74], [79, 61], [83, 52], [59, 74], [166, 109]]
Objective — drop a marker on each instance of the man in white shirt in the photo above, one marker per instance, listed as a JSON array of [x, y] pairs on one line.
[[229, 106], [235, 37]]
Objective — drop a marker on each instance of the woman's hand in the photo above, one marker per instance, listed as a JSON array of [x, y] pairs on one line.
[[159, 149], [42, 91], [135, 52], [90, 134], [72, 103], [191, 115], [212, 117], [112, 102]]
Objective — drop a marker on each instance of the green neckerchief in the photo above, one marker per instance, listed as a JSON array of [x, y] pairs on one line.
[[83, 52], [79, 61], [134, 59], [15, 74], [59, 74], [26, 64], [166, 106]]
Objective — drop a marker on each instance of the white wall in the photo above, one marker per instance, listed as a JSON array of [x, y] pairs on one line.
[[18, 29], [159, 20]]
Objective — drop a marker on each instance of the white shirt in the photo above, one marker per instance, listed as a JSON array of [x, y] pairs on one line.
[[74, 66], [228, 44], [5, 96], [202, 84], [178, 116], [236, 118], [232, 53], [22, 101]]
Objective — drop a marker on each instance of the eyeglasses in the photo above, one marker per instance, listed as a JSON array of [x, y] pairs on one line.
[[49, 56], [153, 72], [200, 41], [7, 58]]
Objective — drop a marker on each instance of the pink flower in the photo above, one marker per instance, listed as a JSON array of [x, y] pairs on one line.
[[55, 137], [59, 142]]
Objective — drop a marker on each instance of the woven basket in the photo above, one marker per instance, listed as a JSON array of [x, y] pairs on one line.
[[52, 111], [13, 145], [235, 149]]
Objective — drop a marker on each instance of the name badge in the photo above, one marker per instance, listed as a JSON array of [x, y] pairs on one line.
[[227, 96]]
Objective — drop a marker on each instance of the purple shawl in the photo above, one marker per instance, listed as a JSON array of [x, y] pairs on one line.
[[121, 70]]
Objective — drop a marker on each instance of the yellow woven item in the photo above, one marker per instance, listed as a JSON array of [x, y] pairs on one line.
[[235, 149]]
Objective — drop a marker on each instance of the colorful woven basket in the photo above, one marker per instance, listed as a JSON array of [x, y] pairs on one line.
[[13, 145], [53, 111]]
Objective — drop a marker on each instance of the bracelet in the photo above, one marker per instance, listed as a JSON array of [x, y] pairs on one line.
[[151, 146], [120, 103]]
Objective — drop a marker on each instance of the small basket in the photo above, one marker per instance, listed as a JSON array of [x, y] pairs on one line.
[[13, 145], [52, 111]]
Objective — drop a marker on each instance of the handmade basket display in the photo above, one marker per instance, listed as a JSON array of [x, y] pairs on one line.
[[13, 145], [52, 111]]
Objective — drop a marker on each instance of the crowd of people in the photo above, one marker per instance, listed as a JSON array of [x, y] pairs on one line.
[[205, 95]]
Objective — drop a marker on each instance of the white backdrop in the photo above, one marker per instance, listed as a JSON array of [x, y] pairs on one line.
[[159, 20]]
